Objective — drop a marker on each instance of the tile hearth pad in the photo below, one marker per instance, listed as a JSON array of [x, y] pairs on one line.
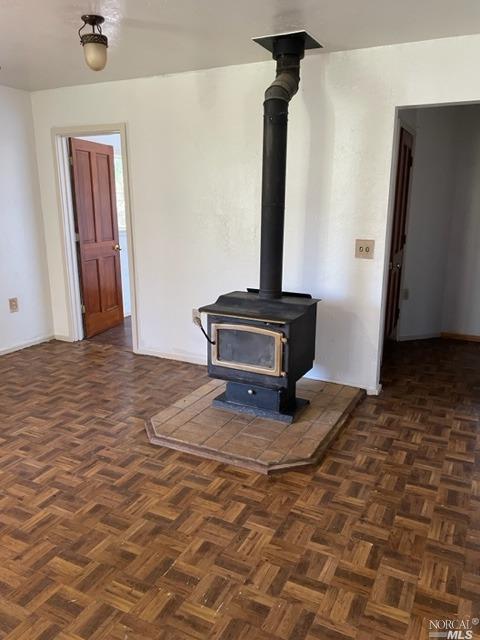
[[192, 425]]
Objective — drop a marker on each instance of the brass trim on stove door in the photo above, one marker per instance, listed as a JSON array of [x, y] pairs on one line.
[[279, 342]]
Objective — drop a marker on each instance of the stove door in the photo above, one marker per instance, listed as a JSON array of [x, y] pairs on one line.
[[247, 348]]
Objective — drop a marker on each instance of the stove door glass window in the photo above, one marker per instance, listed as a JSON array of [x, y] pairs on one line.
[[247, 348]]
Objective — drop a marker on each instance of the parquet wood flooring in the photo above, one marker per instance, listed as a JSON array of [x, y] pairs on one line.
[[103, 536], [119, 336]]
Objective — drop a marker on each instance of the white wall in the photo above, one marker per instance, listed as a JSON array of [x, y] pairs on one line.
[[195, 164], [23, 270], [461, 309], [428, 224]]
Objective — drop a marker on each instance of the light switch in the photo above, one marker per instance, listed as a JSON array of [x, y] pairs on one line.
[[13, 305], [365, 249]]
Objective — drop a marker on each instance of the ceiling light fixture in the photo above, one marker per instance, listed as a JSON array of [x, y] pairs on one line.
[[94, 44]]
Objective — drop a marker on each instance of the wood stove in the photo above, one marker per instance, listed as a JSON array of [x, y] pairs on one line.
[[261, 348], [261, 341]]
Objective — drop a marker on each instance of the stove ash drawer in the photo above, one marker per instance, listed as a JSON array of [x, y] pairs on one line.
[[255, 396]]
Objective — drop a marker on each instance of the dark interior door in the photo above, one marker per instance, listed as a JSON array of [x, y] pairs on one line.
[[399, 238], [93, 180]]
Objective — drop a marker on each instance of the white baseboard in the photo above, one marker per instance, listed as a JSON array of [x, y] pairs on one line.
[[62, 338], [25, 345], [181, 357], [374, 391], [194, 359], [355, 385]]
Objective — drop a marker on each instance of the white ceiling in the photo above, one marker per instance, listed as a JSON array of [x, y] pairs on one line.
[[39, 45]]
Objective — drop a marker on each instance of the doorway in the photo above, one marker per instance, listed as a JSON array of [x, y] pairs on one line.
[[94, 196], [433, 293]]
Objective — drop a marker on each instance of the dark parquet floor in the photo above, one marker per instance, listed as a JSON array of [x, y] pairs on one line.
[[119, 336], [103, 536]]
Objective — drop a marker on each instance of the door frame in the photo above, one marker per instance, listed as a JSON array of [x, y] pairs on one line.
[[399, 123], [413, 132], [60, 137]]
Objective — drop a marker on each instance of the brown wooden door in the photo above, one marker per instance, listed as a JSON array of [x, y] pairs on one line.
[[96, 224], [399, 238]]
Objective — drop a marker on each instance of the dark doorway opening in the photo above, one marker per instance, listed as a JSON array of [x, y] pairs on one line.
[[434, 266]]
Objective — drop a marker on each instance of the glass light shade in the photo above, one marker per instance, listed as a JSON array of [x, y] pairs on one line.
[[95, 55]]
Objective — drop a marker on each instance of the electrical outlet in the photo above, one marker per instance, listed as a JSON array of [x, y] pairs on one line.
[[365, 249], [13, 305], [196, 317]]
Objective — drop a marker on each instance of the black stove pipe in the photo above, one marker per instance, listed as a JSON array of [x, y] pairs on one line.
[[288, 50]]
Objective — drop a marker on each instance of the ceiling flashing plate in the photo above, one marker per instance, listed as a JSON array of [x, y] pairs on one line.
[[267, 42]]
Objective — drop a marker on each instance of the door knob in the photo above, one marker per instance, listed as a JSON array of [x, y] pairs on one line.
[[117, 247]]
